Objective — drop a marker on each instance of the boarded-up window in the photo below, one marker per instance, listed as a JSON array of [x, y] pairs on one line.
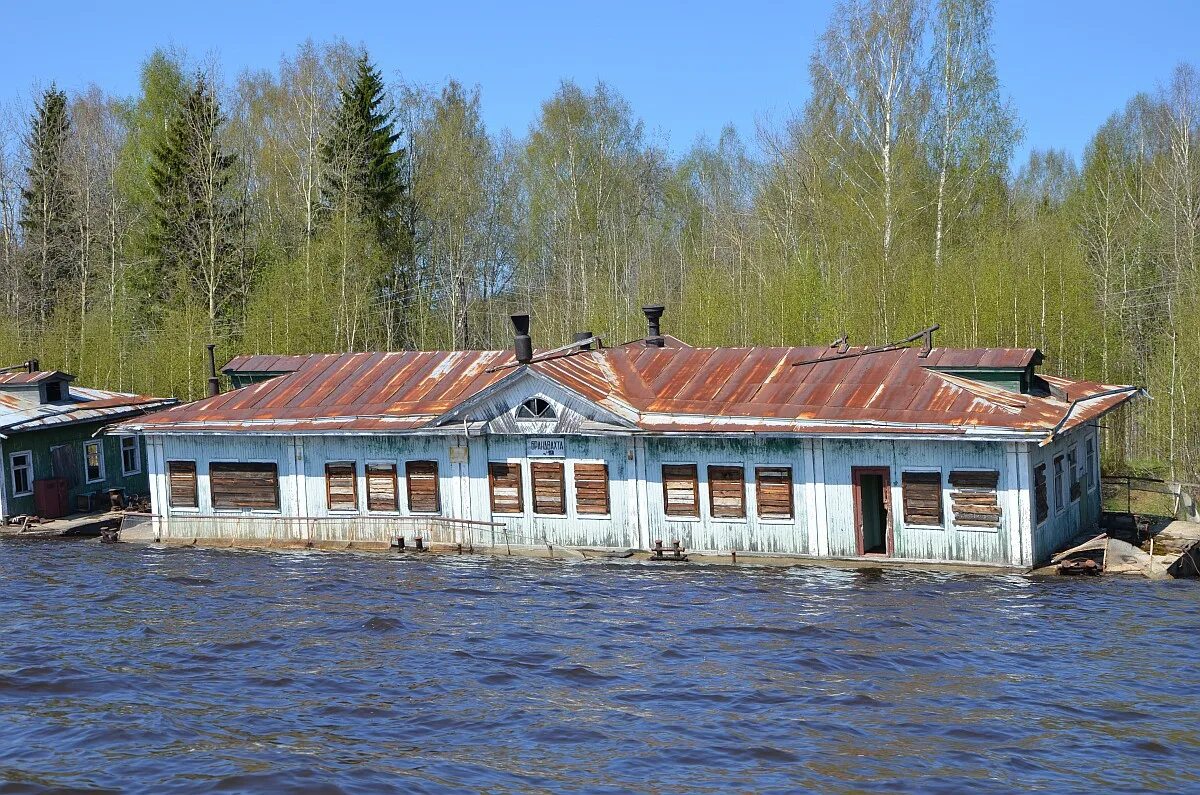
[[1040, 501], [922, 498], [974, 499], [680, 490], [1060, 500], [181, 477], [549, 492], [424, 495], [381, 487], [773, 490], [251, 486], [1090, 463], [591, 488], [727, 492], [341, 486], [505, 482]]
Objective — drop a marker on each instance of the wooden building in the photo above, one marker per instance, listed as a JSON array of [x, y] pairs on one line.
[[909, 452], [53, 458]]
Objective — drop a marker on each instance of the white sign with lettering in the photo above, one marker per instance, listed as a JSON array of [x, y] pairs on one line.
[[546, 447]]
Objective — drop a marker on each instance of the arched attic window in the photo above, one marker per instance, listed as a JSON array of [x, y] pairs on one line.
[[536, 409]]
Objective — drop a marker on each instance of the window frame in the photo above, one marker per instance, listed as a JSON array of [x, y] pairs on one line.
[[278, 509], [437, 486], [1090, 467], [12, 472], [99, 446], [1073, 475], [549, 412], [574, 488], [791, 482], [562, 483], [195, 484], [342, 511], [942, 480], [1045, 485], [137, 455], [712, 514], [395, 477], [1060, 498], [669, 517], [520, 487]]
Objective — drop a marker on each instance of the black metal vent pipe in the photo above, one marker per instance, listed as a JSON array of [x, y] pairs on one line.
[[214, 383], [580, 336], [523, 343], [653, 331]]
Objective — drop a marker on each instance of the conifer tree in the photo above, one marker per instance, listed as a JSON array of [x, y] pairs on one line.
[[46, 206], [195, 204]]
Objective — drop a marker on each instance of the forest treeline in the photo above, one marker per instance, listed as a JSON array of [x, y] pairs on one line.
[[319, 207]]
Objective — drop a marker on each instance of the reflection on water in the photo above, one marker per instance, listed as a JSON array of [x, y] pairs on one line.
[[124, 668]]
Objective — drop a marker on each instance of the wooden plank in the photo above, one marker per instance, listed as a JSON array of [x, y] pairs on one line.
[[773, 492], [424, 491], [591, 489], [382, 487], [727, 492], [681, 495], [549, 488], [504, 480], [182, 480], [244, 485]]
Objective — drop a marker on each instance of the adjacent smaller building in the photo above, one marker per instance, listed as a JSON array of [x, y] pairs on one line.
[[53, 458]]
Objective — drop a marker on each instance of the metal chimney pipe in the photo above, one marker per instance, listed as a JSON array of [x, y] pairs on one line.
[[580, 336], [214, 383], [33, 365], [654, 314], [523, 343]]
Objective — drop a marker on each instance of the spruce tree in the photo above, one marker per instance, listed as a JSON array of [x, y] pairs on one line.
[[47, 206], [195, 204]]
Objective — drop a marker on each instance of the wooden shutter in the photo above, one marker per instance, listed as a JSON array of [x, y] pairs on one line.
[[591, 489], [922, 498], [424, 494], [549, 491], [727, 492], [244, 485], [381, 487], [181, 477], [680, 491], [341, 486], [773, 489], [505, 482], [1039, 493], [974, 500]]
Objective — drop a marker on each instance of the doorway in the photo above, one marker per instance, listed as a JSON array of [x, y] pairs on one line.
[[872, 522]]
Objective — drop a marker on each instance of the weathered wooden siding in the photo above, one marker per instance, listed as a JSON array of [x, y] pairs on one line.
[[949, 542], [707, 533], [1076, 515]]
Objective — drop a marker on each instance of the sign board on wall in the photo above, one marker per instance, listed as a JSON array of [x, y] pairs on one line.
[[546, 447], [458, 455]]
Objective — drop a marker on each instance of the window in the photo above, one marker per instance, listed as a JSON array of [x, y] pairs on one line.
[[424, 495], [93, 462], [1075, 486], [773, 490], [922, 492], [680, 490], [1041, 503], [181, 479], [549, 491], [974, 500], [1090, 464], [247, 486], [505, 482], [1059, 500], [591, 489], [341, 486], [381, 487], [54, 391], [21, 467], [536, 409], [131, 456], [727, 492]]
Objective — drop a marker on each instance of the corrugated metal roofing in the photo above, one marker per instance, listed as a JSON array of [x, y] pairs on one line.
[[667, 389], [24, 379], [20, 413]]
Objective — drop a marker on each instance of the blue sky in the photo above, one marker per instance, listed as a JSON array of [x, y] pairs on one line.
[[686, 68]]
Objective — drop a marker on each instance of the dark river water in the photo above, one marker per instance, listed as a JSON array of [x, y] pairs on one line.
[[130, 669]]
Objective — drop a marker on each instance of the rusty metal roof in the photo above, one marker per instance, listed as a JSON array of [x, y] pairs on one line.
[[671, 389], [27, 379], [19, 413]]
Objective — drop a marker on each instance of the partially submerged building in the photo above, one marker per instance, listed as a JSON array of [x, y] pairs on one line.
[[909, 452], [53, 459]]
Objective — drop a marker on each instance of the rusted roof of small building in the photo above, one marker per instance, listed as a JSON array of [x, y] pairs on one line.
[[36, 377], [670, 389], [22, 412]]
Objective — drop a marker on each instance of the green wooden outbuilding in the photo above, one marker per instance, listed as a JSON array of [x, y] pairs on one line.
[[53, 457]]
